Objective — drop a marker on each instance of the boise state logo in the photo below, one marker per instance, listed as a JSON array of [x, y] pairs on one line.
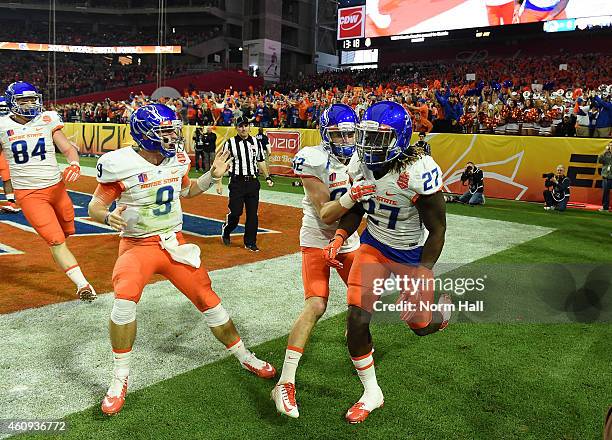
[[403, 179]]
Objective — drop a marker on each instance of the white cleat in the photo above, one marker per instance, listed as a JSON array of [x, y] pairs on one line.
[[445, 301], [362, 409], [283, 395]]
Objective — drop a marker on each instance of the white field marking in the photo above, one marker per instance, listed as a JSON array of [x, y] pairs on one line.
[[7, 250], [56, 359]]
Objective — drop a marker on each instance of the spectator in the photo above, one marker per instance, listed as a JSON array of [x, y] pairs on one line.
[[605, 159], [198, 144], [263, 140], [567, 128], [210, 147], [603, 123]]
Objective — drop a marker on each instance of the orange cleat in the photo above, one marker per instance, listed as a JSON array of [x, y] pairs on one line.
[[362, 409], [258, 367], [113, 401]]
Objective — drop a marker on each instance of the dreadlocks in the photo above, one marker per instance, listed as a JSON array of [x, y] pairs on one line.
[[411, 155]]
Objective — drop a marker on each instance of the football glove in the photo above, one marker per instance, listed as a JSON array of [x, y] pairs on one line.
[[360, 191], [330, 252], [72, 173]]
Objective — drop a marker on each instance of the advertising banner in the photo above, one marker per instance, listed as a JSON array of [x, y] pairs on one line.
[[512, 165]]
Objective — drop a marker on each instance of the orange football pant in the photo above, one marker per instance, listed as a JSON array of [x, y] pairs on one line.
[[531, 16], [49, 211], [369, 265], [141, 258], [500, 13], [4, 169], [315, 272]]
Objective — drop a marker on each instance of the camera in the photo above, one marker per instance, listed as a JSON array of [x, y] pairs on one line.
[[469, 169], [548, 176]]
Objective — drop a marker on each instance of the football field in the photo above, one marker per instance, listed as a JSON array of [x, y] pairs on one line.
[[536, 364]]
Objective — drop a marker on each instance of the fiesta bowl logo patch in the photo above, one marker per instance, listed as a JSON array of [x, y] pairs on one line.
[[402, 180], [351, 22]]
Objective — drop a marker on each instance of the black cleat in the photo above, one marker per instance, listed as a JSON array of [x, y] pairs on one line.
[[251, 247]]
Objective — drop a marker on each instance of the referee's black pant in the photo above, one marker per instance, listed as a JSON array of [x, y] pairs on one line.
[[243, 193]]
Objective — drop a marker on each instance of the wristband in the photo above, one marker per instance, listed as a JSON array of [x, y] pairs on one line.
[[106, 218], [346, 201], [74, 162]]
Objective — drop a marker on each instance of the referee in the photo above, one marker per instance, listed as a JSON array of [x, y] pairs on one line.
[[247, 154]]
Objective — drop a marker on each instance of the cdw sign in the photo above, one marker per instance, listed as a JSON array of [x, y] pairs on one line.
[[351, 22], [284, 146]]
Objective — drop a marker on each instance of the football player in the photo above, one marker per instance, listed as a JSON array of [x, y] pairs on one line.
[[328, 195], [146, 181], [27, 138], [405, 231]]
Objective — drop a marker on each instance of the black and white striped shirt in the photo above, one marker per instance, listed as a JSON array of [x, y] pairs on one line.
[[245, 154]]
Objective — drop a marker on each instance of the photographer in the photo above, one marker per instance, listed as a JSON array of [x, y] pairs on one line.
[[198, 144], [605, 159], [557, 193], [475, 177], [422, 143]]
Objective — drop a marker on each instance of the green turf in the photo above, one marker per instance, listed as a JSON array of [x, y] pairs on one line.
[[509, 380]]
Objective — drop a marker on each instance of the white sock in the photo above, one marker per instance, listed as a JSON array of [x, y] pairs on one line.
[[365, 370], [10, 197], [121, 360], [238, 349], [76, 276], [292, 359]]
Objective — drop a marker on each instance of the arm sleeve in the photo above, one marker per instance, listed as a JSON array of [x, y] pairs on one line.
[[108, 192]]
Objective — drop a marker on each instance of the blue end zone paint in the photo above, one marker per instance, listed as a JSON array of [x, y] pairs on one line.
[[192, 224]]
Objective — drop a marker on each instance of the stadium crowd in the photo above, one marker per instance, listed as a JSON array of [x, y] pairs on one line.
[[534, 100], [83, 35], [79, 74]]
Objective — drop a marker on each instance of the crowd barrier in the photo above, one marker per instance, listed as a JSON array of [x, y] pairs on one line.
[[512, 165]]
